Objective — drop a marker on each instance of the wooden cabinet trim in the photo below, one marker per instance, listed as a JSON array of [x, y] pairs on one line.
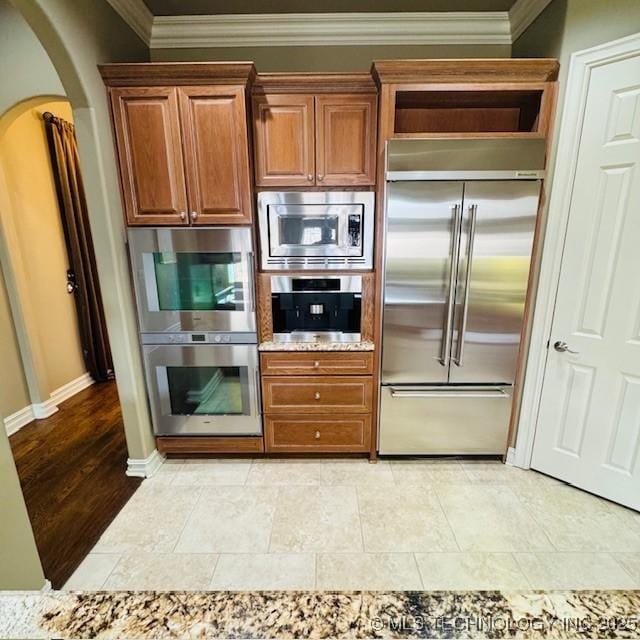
[[314, 83], [129, 178], [238, 209], [209, 444], [177, 73], [264, 145], [333, 363], [317, 433], [328, 171], [466, 70], [317, 394]]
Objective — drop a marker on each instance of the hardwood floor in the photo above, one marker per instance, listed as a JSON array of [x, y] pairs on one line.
[[72, 471]]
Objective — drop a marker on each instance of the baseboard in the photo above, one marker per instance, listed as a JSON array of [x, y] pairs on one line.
[[19, 419], [40, 410], [70, 389], [145, 467]]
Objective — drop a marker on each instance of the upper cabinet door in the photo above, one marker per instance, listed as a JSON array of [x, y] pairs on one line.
[[216, 154], [284, 140], [147, 130], [346, 140]]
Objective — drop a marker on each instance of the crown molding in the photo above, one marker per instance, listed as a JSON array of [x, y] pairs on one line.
[[137, 15], [523, 13], [326, 29]]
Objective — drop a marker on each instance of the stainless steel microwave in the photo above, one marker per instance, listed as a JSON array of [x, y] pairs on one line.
[[316, 229]]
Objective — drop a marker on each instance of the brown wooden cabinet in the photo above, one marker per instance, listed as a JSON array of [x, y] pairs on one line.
[[147, 128], [284, 140], [182, 142], [345, 140], [323, 140], [216, 154]]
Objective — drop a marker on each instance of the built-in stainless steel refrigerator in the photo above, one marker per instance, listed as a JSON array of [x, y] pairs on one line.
[[460, 218]]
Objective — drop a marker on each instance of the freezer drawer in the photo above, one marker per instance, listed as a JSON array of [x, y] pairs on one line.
[[444, 420]]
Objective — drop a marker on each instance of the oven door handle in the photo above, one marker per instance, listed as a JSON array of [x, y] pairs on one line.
[[258, 391], [251, 280]]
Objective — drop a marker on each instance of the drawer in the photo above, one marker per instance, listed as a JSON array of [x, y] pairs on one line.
[[333, 363], [317, 433], [318, 394]]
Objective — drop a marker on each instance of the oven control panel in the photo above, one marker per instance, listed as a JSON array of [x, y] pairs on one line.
[[208, 337]]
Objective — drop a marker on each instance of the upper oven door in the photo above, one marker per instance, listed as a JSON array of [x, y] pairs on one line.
[[193, 279], [298, 226]]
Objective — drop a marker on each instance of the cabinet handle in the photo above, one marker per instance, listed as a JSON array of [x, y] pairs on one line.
[[194, 215], [183, 215], [317, 435], [320, 177], [316, 364], [309, 177], [317, 396]]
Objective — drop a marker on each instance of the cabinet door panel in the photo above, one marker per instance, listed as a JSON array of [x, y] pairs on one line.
[[217, 156], [147, 129], [284, 140], [345, 140]]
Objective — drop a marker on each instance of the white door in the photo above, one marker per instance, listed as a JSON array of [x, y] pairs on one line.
[[588, 429]]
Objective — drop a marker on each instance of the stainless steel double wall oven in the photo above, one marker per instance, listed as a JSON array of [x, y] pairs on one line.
[[195, 294]]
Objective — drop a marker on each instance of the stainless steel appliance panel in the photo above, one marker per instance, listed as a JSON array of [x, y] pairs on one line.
[[422, 222], [466, 159], [204, 389], [193, 279], [444, 420], [316, 229], [495, 254]]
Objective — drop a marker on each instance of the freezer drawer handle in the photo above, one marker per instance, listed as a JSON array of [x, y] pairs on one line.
[[473, 208], [453, 275], [440, 393]]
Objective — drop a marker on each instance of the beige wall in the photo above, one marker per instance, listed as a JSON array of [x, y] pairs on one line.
[[30, 203], [14, 394], [24, 61], [345, 58], [20, 567]]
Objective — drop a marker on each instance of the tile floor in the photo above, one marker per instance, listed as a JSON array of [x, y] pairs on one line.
[[347, 524]]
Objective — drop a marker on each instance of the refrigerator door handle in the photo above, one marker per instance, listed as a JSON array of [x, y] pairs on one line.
[[473, 209], [439, 392], [453, 276]]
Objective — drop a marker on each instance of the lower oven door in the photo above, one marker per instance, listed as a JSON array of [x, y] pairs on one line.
[[423, 420], [204, 389]]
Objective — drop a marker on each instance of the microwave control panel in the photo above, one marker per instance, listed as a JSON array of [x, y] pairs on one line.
[[354, 229]]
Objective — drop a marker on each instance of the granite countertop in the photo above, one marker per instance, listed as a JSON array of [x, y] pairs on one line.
[[315, 346], [315, 614]]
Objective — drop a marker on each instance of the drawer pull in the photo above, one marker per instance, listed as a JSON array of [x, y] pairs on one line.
[[317, 395], [317, 435], [316, 364]]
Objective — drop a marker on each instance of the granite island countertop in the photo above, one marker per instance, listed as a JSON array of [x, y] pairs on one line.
[[315, 346], [348, 615]]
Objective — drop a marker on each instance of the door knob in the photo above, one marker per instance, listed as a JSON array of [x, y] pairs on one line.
[[194, 215], [316, 364], [183, 215], [563, 347], [317, 395], [309, 177], [317, 435]]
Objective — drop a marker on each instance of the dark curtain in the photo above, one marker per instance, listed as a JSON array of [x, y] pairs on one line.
[[82, 275]]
